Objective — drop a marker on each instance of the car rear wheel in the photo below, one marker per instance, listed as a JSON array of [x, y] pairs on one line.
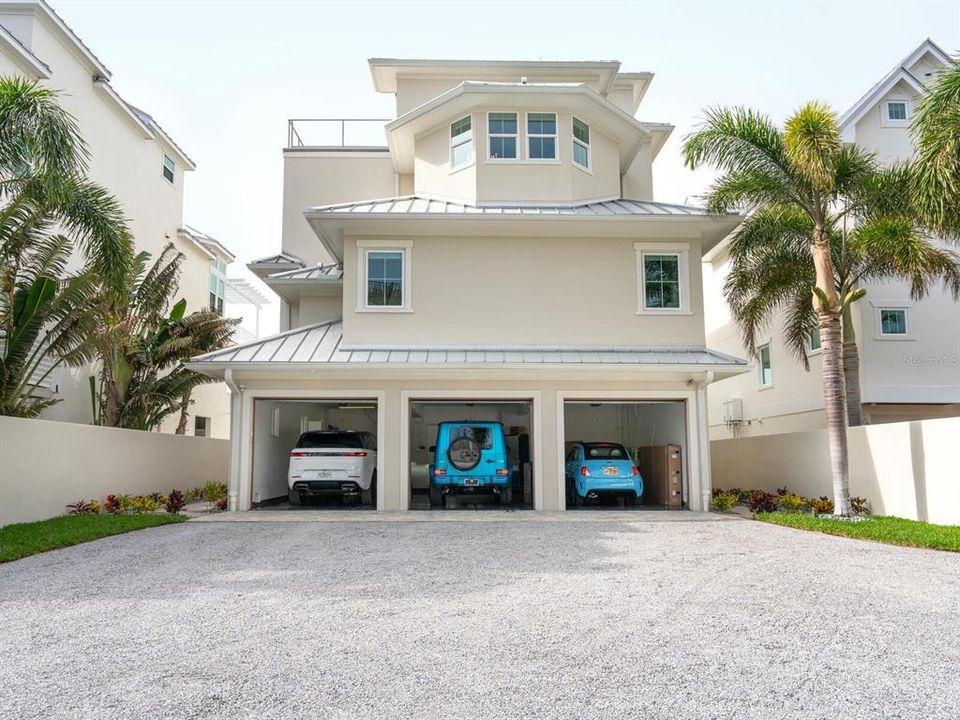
[[294, 497], [506, 497]]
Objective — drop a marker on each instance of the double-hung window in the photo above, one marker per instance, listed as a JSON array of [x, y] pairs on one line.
[[663, 271], [169, 168], [502, 132], [541, 136], [461, 142], [383, 275], [581, 144]]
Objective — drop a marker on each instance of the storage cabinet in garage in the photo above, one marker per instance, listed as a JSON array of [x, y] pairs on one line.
[[661, 469]]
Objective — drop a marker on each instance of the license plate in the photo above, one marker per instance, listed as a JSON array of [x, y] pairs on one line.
[[472, 482], [322, 474], [611, 471]]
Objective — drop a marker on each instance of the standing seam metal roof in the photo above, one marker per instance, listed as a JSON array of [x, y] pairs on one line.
[[322, 343]]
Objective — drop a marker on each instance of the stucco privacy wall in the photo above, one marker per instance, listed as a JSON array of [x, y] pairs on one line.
[[48, 464], [905, 469]]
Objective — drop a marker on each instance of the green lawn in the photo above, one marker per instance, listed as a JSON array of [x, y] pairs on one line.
[[22, 539], [891, 530]]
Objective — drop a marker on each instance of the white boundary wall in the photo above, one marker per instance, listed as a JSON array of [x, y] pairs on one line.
[[909, 469], [44, 465]]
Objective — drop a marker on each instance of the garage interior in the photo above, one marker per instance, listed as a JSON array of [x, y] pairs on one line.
[[654, 433], [277, 426], [517, 419]]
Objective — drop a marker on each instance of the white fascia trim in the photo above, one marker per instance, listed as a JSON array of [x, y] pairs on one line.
[[103, 85], [211, 365], [61, 28], [22, 56]]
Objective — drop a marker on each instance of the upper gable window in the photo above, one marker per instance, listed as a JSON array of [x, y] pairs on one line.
[[169, 168], [896, 110], [542, 136], [895, 113], [581, 144], [461, 142], [502, 132]]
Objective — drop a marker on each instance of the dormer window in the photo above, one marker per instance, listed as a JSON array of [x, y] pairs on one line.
[[581, 144], [542, 136], [896, 110], [461, 143], [502, 132], [895, 113]]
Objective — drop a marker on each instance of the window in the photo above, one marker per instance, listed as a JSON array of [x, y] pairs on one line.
[[383, 275], [897, 110], [663, 272], [201, 426], [385, 279], [461, 142], [169, 168], [581, 144], [893, 321], [766, 371], [661, 281], [502, 131], [542, 136], [218, 270], [813, 340]]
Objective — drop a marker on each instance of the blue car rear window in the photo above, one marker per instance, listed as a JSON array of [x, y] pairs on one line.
[[604, 451]]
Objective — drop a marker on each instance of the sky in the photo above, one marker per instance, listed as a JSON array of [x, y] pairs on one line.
[[222, 78]]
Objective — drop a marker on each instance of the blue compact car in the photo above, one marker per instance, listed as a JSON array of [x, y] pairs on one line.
[[594, 469], [469, 458]]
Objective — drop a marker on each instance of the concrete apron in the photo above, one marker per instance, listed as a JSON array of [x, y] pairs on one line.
[[369, 515]]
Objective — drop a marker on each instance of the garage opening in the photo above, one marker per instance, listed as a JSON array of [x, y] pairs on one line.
[[471, 455], [315, 454], [613, 449]]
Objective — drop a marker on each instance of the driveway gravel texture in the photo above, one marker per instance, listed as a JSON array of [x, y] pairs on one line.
[[605, 617]]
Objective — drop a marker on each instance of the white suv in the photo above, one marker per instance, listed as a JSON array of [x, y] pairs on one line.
[[334, 462]]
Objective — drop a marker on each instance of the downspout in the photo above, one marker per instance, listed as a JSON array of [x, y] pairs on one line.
[[703, 440], [235, 430]]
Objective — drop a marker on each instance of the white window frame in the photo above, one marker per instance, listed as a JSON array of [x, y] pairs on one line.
[[886, 120], [588, 168], [760, 348], [515, 136], [456, 142], [404, 247], [879, 306], [173, 169], [682, 251], [527, 136]]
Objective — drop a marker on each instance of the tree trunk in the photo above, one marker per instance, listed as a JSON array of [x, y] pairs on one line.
[[184, 415], [851, 371], [834, 397]]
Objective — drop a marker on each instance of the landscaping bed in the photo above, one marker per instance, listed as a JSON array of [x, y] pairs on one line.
[[23, 539], [891, 530]]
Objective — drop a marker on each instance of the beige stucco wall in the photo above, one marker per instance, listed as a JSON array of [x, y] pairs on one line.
[[321, 178], [395, 391], [891, 144], [92, 462], [550, 290], [903, 469], [517, 180], [314, 309]]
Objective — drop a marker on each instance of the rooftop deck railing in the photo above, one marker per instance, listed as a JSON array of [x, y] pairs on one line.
[[336, 132]]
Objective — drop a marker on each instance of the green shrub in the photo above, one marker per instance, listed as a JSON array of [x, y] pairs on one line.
[[792, 503], [193, 495], [822, 506], [860, 505], [724, 501], [214, 491], [80, 507], [141, 504]]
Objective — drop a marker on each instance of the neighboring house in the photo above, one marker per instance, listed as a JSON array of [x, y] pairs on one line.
[[499, 258], [131, 156], [909, 351]]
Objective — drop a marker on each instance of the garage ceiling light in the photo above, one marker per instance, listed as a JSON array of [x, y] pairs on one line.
[[356, 407]]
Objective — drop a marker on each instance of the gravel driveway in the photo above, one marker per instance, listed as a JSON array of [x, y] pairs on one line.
[[606, 617]]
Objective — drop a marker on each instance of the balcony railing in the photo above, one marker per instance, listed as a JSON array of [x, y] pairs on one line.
[[336, 132]]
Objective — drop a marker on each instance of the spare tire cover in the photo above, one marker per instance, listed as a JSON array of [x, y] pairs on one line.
[[464, 453]]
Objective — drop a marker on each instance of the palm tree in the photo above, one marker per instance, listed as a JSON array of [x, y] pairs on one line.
[[48, 209], [804, 170], [142, 344], [936, 134], [771, 273]]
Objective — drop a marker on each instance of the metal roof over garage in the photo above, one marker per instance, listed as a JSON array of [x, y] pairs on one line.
[[322, 345]]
